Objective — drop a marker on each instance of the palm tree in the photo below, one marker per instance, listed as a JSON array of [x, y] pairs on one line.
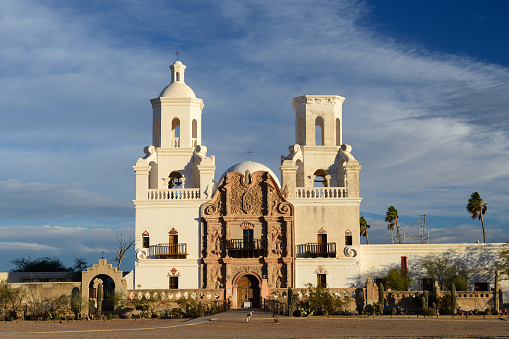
[[364, 228], [392, 218], [477, 207]]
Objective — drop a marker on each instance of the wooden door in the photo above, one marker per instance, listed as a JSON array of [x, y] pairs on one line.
[[173, 243], [322, 243], [243, 288]]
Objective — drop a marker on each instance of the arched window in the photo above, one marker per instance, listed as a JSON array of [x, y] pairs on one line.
[[195, 132], [338, 132], [178, 76], [175, 132], [175, 180], [321, 179], [348, 238], [319, 131], [146, 239]]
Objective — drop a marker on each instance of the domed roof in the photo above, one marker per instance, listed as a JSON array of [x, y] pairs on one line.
[[252, 167], [177, 90]]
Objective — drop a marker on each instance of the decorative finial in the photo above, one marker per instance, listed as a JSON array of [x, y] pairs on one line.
[[177, 54], [249, 153]]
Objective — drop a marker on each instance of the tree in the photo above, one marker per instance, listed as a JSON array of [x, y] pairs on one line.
[[364, 228], [477, 207], [503, 264], [446, 271], [392, 218], [44, 264], [398, 280], [80, 265], [124, 246], [10, 300]]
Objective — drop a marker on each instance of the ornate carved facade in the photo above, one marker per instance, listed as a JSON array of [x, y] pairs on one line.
[[247, 228]]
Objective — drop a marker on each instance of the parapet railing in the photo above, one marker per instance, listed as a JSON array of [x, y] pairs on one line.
[[321, 192], [174, 194]]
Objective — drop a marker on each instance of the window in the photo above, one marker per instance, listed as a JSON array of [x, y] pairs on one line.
[[348, 238], [146, 239], [248, 238], [319, 131], [321, 280], [195, 129], [175, 133], [174, 283]]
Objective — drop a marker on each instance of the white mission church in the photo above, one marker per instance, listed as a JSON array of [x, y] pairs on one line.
[[246, 232]]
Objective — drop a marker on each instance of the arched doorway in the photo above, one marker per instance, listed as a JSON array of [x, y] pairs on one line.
[[248, 290], [108, 292]]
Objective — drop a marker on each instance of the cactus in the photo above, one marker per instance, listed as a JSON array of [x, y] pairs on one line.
[[454, 303], [426, 298], [99, 298], [496, 294], [381, 298]]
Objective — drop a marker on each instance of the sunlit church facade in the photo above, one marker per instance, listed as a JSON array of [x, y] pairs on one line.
[[245, 230]]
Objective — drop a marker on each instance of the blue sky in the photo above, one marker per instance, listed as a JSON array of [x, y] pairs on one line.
[[426, 87]]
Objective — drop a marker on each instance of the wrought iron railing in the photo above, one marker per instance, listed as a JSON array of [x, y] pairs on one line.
[[240, 248]]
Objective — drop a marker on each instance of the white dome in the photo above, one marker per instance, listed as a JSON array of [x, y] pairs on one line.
[[252, 167], [177, 90]]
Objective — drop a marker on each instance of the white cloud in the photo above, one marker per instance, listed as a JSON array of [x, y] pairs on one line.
[[428, 128], [66, 243], [20, 200], [17, 246]]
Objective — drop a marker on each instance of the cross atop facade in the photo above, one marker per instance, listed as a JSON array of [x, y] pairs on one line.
[[177, 54], [249, 153], [102, 252]]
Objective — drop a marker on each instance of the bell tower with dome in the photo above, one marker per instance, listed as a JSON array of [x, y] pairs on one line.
[[173, 179]]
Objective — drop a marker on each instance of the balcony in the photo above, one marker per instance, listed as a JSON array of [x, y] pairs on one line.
[[240, 248], [321, 250], [169, 251], [321, 192]]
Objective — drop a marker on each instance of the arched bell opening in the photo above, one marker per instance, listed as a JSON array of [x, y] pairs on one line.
[[321, 179], [175, 180]]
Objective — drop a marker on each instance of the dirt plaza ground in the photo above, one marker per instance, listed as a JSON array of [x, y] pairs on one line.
[[233, 324]]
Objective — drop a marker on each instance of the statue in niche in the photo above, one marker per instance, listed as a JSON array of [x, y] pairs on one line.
[[277, 239], [216, 277], [277, 275], [216, 243]]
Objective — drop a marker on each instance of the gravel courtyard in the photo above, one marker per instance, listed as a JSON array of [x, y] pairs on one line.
[[233, 324]]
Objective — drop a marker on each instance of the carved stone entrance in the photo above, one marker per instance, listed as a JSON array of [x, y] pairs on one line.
[[248, 290]]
